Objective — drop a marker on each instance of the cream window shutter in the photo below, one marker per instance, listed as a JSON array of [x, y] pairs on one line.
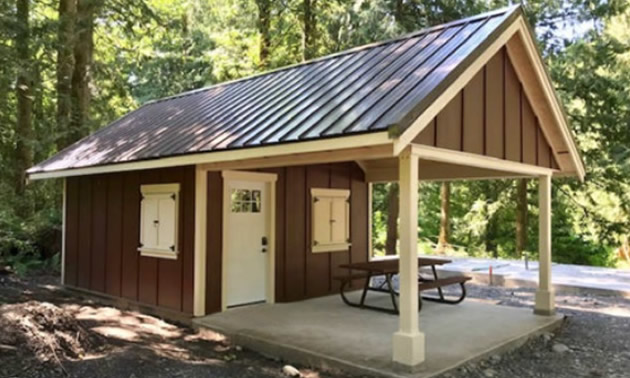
[[159, 220], [339, 221], [167, 223], [149, 233], [330, 220], [321, 221]]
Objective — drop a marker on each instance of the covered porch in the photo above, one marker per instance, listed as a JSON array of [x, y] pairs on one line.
[[410, 347], [325, 333]]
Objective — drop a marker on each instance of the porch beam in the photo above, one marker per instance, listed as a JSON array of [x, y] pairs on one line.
[[408, 342], [545, 296], [358, 154], [479, 161]]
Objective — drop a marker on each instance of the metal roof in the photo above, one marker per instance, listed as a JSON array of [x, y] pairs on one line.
[[378, 87]]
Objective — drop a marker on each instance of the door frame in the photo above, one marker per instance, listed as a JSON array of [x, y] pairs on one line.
[[270, 277]]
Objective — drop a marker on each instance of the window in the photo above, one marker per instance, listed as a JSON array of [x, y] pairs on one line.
[[158, 220], [331, 220], [245, 201]]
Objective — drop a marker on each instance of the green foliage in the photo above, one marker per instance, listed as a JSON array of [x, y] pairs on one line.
[[149, 49]]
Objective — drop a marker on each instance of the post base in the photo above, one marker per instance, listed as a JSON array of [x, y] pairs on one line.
[[545, 302], [408, 350]]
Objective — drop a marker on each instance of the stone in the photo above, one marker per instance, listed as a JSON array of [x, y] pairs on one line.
[[560, 348], [291, 371], [490, 373], [495, 359]]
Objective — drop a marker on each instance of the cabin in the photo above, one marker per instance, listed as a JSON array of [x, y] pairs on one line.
[[258, 189]]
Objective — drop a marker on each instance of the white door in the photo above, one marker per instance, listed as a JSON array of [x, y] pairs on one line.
[[247, 234]]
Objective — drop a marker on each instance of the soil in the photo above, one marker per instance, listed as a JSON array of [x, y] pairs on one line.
[[49, 332], [46, 331]]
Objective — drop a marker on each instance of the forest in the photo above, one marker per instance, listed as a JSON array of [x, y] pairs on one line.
[[70, 67]]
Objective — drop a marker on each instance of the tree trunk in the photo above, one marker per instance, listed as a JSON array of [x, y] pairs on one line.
[[392, 219], [521, 217], [24, 128], [83, 50], [445, 205], [264, 29], [309, 27], [398, 11], [65, 66]]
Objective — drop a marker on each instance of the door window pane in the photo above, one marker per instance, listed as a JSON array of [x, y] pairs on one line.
[[246, 201]]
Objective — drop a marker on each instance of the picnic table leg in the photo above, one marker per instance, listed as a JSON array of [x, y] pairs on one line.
[[392, 292], [366, 287], [435, 276]]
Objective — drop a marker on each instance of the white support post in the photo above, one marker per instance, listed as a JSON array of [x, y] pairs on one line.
[[408, 342], [201, 195], [545, 296]]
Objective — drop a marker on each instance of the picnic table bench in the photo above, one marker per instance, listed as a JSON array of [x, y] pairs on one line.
[[388, 269]]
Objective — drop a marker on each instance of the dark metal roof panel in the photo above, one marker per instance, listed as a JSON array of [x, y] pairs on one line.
[[378, 87]]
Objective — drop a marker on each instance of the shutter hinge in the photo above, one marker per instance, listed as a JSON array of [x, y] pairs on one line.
[[315, 242], [173, 196], [173, 248], [315, 199], [140, 245]]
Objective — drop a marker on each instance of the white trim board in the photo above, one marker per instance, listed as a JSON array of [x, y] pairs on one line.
[[478, 161], [64, 225], [321, 145], [199, 281]]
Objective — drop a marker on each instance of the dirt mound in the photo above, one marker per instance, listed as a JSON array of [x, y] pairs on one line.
[[48, 331]]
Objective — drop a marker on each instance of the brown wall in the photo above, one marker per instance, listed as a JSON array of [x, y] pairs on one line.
[[491, 116], [300, 274], [102, 237]]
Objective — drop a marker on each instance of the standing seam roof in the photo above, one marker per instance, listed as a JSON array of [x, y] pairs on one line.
[[378, 87]]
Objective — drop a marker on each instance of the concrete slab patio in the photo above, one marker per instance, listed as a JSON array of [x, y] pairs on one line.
[[325, 333]]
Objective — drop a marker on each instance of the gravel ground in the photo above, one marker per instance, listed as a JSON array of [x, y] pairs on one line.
[[593, 342]]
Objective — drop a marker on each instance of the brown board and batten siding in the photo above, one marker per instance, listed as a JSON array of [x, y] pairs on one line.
[[491, 116], [102, 237], [300, 274]]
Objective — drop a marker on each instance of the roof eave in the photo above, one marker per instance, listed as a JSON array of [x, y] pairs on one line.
[[290, 150]]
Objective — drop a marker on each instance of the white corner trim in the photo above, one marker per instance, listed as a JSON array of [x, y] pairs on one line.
[[370, 215], [288, 149], [64, 225], [478, 161], [199, 281]]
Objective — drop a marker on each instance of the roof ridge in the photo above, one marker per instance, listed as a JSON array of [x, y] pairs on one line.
[[413, 34]]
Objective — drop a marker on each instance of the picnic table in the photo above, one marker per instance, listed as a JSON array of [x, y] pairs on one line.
[[388, 268]]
